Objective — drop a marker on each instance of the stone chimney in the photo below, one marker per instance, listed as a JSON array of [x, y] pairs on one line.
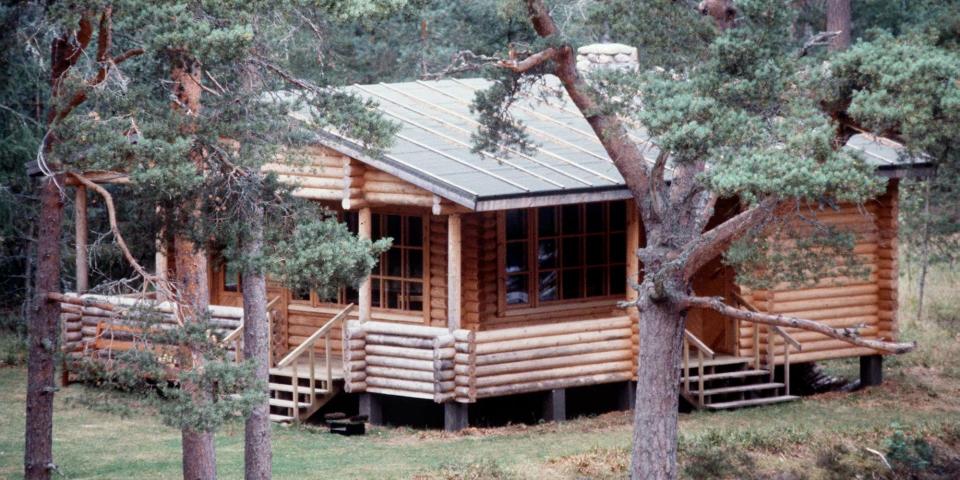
[[614, 56]]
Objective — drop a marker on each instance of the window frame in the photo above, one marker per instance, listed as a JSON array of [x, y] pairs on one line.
[[533, 269]]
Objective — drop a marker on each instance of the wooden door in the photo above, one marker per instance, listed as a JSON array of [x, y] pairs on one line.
[[717, 331]]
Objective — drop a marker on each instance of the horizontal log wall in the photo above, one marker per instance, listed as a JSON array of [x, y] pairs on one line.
[[81, 322], [869, 302], [556, 355], [402, 360]]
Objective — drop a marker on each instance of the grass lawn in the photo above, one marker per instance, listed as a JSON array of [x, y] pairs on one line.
[[825, 436]]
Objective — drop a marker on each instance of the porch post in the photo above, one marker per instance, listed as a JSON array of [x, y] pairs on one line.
[[80, 221], [364, 230], [633, 275], [453, 271]]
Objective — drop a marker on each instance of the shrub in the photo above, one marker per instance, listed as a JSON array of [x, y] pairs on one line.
[[908, 453]]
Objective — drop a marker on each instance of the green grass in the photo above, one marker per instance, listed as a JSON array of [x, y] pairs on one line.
[[818, 437]]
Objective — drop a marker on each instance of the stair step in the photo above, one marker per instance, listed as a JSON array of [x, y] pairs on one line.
[[726, 375], [718, 361], [280, 418], [752, 402], [302, 389], [739, 388], [276, 402]]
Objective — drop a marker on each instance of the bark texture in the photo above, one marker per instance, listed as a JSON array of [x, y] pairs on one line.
[[43, 333], [198, 452], [839, 19], [257, 454], [658, 392]]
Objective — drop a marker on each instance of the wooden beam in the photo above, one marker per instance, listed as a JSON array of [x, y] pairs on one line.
[[80, 221], [633, 244], [453, 271], [364, 230]]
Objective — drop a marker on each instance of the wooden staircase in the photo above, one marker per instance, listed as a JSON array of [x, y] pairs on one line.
[[724, 382], [312, 392], [300, 383]]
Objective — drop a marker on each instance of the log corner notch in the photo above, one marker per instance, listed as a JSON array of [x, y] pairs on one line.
[[849, 335]]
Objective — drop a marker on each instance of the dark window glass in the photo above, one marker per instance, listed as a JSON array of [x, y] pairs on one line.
[[572, 283], [300, 294], [571, 251], [595, 217], [618, 216], [352, 295], [517, 257], [414, 263], [596, 250], [415, 296], [548, 254], [596, 277], [516, 224], [394, 228], [375, 292], [393, 293], [547, 221], [375, 230], [414, 232], [548, 286], [618, 248], [394, 263], [618, 280], [517, 290], [570, 219]]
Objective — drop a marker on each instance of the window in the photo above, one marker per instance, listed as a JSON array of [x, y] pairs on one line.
[[565, 253], [397, 280], [231, 278]]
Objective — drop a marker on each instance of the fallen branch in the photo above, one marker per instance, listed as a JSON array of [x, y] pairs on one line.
[[818, 40], [849, 335]]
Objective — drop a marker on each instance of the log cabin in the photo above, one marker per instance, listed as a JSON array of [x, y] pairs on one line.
[[506, 271]]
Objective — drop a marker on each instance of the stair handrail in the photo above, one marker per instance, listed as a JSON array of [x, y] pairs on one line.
[[291, 360], [788, 343], [702, 349], [236, 336]]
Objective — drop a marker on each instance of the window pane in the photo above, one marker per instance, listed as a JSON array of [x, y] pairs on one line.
[[414, 296], [517, 291], [375, 292], [618, 215], [394, 223], [547, 221], [618, 280], [572, 283], [393, 263], [352, 220], [570, 219], [414, 232], [517, 257], [548, 254], [300, 294], [594, 217], [595, 281], [516, 226], [548, 286], [352, 295], [618, 248], [414, 263], [393, 293], [231, 278], [375, 230], [571, 252], [596, 250]]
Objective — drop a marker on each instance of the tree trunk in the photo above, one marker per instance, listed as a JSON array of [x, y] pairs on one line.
[[198, 452], [44, 335], [199, 455], [658, 390], [257, 454], [839, 20]]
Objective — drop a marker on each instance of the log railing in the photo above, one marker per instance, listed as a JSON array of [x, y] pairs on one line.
[[788, 343], [236, 337], [292, 359], [702, 350]]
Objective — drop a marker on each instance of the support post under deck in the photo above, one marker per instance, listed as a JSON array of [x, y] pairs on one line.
[[555, 405], [871, 370], [371, 407], [628, 396], [455, 416]]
